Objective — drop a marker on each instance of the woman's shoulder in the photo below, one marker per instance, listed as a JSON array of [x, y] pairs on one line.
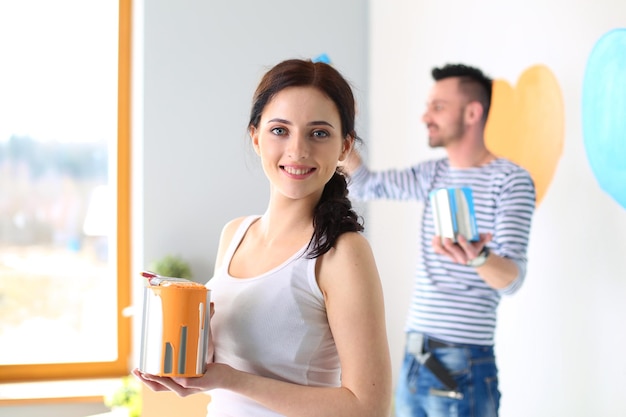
[[349, 265], [351, 249], [348, 241]]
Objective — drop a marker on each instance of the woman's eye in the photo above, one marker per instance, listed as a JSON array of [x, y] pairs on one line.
[[279, 131], [320, 134]]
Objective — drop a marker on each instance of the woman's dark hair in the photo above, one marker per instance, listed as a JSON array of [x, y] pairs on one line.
[[333, 214]]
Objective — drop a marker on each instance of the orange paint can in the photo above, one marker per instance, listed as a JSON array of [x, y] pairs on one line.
[[175, 327]]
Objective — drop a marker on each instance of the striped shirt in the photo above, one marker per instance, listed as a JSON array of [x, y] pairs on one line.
[[450, 301]]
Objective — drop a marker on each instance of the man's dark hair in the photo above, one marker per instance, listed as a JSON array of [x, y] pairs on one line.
[[472, 82]]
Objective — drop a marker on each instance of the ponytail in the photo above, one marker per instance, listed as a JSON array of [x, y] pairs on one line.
[[333, 216]]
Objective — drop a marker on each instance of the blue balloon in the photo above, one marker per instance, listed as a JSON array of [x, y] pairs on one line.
[[604, 113]]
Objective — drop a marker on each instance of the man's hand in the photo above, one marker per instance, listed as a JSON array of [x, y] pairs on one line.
[[498, 272], [462, 251]]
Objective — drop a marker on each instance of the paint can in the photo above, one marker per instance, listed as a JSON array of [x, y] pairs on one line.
[[175, 327]]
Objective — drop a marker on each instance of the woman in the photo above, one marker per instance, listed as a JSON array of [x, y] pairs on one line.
[[299, 325]]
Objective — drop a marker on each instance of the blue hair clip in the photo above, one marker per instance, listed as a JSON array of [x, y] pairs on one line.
[[322, 58]]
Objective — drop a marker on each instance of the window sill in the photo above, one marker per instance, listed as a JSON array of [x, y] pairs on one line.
[[83, 390]]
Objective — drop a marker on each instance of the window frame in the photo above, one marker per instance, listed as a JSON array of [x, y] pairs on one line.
[[120, 366]]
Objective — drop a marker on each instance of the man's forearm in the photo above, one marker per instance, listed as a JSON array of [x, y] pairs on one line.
[[498, 272]]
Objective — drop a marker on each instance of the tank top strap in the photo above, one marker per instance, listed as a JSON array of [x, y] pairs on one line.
[[237, 237]]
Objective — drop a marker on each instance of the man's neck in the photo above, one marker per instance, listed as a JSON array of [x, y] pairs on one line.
[[469, 153]]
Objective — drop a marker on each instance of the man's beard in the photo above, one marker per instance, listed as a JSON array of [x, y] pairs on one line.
[[438, 141], [457, 133]]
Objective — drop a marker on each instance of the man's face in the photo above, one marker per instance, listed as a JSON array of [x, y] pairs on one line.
[[444, 115]]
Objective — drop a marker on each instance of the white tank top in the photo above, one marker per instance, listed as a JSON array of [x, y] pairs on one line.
[[273, 325]]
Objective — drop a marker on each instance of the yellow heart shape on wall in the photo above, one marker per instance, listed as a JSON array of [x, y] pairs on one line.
[[526, 124]]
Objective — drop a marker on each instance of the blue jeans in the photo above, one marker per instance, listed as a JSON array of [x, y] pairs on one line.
[[419, 393]]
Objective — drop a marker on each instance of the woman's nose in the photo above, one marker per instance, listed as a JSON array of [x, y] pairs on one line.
[[298, 147]]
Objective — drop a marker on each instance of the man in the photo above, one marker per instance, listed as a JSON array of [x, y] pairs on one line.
[[449, 367]]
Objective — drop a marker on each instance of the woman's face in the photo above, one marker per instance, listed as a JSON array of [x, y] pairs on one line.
[[299, 141]]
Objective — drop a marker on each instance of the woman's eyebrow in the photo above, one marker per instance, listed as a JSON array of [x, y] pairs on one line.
[[320, 122], [279, 120], [312, 123]]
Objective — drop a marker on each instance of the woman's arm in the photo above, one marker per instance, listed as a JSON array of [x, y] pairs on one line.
[[349, 279]]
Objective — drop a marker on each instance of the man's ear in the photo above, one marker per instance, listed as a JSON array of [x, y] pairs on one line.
[[473, 112], [254, 136], [347, 145]]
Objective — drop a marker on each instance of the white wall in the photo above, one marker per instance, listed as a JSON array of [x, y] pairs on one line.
[[560, 339]]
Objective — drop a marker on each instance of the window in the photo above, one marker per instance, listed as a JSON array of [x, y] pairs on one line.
[[64, 188]]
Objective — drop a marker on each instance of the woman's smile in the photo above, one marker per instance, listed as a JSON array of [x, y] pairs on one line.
[[297, 171]]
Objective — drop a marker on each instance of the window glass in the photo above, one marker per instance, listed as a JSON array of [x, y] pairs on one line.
[[59, 181]]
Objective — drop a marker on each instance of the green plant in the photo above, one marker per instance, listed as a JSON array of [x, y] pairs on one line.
[[172, 266], [127, 395]]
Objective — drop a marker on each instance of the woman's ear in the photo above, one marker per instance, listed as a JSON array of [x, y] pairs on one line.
[[346, 147], [254, 136]]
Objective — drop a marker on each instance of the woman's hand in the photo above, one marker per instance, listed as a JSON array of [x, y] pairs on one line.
[[155, 383], [185, 386], [181, 385]]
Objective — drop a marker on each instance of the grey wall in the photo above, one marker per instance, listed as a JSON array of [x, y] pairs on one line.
[[199, 64], [202, 62]]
